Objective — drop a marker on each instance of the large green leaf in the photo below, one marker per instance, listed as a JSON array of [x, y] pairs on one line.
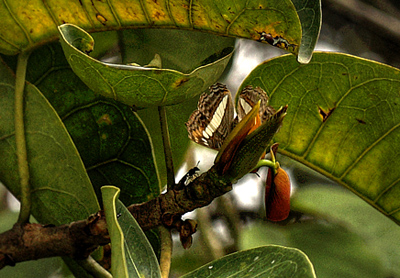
[[26, 25], [131, 254], [111, 139], [343, 121], [266, 261], [334, 250], [61, 189], [381, 235], [134, 85]]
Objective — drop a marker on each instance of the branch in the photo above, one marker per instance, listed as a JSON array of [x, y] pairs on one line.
[[34, 241], [77, 240], [166, 209]]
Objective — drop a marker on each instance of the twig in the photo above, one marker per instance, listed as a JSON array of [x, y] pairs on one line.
[[166, 251], [167, 147], [20, 141], [92, 267]]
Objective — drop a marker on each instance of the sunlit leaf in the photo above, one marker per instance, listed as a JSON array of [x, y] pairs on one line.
[[27, 25], [343, 121]]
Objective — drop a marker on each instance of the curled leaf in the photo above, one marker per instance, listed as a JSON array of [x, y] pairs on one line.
[[134, 85]]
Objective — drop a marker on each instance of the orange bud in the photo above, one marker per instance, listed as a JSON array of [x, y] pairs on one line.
[[277, 195]]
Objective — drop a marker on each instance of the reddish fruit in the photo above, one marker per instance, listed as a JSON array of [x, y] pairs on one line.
[[277, 195]]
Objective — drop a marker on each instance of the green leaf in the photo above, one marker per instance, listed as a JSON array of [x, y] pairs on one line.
[[343, 121], [132, 254], [26, 26], [340, 206], [141, 260], [61, 189], [133, 85], [310, 15], [333, 249], [119, 268], [112, 141], [266, 261], [180, 50]]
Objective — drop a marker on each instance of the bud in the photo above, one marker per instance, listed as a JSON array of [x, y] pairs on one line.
[[253, 146], [277, 195]]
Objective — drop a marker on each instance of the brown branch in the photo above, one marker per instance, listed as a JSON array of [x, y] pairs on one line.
[[34, 241], [77, 240], [167, 209]]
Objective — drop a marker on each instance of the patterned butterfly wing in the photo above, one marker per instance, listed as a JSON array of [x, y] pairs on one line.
[[212, 121], [248, 98]]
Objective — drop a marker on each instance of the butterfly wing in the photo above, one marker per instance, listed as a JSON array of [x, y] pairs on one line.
[[248, 97], [212, 121]]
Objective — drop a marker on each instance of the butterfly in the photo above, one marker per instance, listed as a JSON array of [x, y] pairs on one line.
[[214, 117]]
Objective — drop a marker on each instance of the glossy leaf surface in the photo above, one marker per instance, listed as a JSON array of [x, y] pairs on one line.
[[343, 121], [266, 261]]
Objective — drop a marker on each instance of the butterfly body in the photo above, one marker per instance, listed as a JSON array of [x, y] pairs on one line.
[[213, 120]]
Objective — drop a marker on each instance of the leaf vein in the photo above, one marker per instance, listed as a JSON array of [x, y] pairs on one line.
[[360, 157], [30, 41]]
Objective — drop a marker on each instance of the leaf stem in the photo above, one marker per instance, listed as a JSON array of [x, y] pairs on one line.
[[167, 147], [266, 162], [20, 140], [94, 268], [166, 251]]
